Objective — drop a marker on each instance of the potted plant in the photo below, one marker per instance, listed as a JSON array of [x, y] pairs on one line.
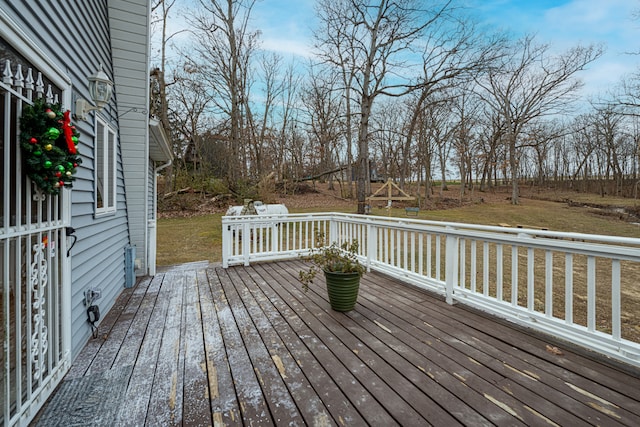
[[342, 271]]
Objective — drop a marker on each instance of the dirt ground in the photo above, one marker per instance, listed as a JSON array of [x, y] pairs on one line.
[[189, 202]]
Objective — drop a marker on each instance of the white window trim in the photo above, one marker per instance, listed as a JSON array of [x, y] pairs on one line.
[[41, 61], [110, 172]]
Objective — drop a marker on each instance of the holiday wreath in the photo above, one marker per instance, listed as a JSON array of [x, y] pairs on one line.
[[48, 141]]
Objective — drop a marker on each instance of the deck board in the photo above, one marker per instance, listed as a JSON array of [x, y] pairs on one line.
[[346, 347], [476, 361], [280, 402], [303, 396], [157, 409], [294, 334], [246, 346], [253, 405], [496, 350], [224, 404], [143, 343]]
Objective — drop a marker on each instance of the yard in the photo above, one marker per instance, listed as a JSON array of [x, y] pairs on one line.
[[194, 234]]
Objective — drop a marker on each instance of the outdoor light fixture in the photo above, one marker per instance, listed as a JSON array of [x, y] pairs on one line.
[[100, 88]]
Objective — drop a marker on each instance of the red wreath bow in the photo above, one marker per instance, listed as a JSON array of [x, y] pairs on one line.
[[68, 132]]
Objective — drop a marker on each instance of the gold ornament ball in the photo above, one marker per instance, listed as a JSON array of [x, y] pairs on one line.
[[48, 147], [69, 173]]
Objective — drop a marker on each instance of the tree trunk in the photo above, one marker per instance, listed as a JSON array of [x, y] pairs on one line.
[[363, 154], [349, 138], [513, 164]]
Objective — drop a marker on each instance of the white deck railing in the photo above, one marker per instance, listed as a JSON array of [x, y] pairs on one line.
[[583, 288]]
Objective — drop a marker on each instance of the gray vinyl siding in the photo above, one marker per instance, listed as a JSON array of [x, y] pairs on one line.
[[130, 43], [76, 36]]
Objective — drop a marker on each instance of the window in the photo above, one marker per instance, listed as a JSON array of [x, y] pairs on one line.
[[105, 173]]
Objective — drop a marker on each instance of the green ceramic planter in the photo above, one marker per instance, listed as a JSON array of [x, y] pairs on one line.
[[342, 289]]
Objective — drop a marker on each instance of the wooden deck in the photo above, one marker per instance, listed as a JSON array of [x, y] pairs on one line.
[[245, 346]]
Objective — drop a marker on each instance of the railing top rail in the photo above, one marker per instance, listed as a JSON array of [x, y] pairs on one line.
[[429, 225]]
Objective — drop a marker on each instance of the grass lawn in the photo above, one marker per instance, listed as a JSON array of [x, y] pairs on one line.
[[182, 240], [199, 238]]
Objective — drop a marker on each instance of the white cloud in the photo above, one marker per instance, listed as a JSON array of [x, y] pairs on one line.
[[609, 23], [287, 46], [592, 15], [286, 26], [567, 23]]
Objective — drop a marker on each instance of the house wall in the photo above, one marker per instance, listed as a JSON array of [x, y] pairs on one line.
[[130, 42], [76, 36]]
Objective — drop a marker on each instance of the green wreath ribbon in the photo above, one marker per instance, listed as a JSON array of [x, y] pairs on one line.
[[48, 141]]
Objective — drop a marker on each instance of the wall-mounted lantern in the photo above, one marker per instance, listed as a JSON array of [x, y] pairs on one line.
[[100, 89]]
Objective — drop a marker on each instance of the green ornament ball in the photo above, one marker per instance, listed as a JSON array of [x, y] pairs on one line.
[[53, 133], [61, 168], [47, 164], [69, 165], [74, 139], [37, 153]]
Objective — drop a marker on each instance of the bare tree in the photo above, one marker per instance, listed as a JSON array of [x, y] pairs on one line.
[[159, 102], [161, 10], [629, 95], [376, 37], [583, 144], [321, 101], [465, 109], [187, 106], [261, 129], [454, 51], [287, 133], [607, 126], [629, 90], [335, 43], [389, 126], [531, 83], [435, 134], [541, 137], [224, 48], [492, 132]]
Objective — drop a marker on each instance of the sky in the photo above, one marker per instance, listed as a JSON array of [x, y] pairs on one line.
[[286, 27]]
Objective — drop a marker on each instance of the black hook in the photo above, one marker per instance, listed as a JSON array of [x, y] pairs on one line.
[[70, 231]]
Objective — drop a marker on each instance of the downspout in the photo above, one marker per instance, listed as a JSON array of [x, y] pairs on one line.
[[165, 165]]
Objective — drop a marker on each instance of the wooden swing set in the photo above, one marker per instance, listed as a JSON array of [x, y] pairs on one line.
[[385, 193]]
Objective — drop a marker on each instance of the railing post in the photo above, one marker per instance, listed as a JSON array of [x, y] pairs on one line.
[[333, 231], [275, 235], [226, 243], [451, 268], [246, 242], [372, 245]]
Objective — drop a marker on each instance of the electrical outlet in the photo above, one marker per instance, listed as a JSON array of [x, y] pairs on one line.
[[92, 294]]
